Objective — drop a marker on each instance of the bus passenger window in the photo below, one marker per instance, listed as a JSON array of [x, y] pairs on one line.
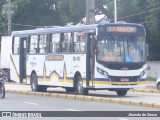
[[33, 44], [66, 39], [79, 42], [54, 43], [42, 44], [16, 45]]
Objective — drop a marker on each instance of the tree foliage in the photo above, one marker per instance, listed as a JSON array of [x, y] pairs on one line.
[[152, 25]]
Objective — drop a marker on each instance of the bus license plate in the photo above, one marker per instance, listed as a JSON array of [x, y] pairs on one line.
[[124, 79]]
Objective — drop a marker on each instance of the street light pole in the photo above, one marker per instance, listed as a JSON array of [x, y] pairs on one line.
[[8, 10], [115, 11], [9, 18]]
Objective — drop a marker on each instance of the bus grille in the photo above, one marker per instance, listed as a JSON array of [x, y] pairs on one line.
[[124, 79]]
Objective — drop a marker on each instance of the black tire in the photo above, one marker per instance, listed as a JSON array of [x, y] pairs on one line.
[[7, 76], [68, 89], [158, 86], [121, 92], [35, 86], [79, 87], [2, 91]]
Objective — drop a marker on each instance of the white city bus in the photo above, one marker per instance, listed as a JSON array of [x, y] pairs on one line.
[[110, 56]]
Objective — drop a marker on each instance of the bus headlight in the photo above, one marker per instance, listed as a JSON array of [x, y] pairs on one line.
[[105, 74], [102, 72], [143, 73]]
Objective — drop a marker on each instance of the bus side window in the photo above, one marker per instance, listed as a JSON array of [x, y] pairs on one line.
[[66, 39], [54, 43], [42, 44], [16, 45], [79, 42], [33, 44]]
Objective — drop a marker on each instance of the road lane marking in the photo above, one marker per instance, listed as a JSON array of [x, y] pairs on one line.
[[31, 103], [122, 119], [72, 110]]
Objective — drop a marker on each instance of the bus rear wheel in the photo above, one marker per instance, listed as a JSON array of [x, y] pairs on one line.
[[35, 86], [121, 92], [79, 87], [68, 89]]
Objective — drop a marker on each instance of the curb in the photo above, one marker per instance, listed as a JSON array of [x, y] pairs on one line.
[[88, 98], [147, 90]]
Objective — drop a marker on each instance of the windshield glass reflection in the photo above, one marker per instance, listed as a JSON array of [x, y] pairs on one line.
[[121, 49]]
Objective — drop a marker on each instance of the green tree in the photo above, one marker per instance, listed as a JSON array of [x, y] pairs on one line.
[[152, 25], [36, 13], [72, 11], [3, 19]]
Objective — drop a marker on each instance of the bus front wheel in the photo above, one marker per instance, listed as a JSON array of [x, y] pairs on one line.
[[79, 87], [121, 92]]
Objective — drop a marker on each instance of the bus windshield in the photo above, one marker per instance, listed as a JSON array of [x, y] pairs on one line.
[[114, 48]]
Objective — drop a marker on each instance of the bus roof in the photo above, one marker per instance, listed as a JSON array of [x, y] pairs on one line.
[[54, 30], [88, 28]]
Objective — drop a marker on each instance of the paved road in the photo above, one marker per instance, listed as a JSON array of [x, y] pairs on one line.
[[18, 102]]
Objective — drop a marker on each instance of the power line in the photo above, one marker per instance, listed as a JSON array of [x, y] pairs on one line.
[[3, 25], [140, 13], [135, 14], [26, 25]]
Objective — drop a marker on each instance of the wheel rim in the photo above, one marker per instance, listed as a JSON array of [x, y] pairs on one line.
[[34, 83], [80, 87]]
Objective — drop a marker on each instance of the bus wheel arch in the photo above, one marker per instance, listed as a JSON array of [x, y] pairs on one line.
[[78, 84]]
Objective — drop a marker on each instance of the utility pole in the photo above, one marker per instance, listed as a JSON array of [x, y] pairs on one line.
[[90, 11], [8, 10]]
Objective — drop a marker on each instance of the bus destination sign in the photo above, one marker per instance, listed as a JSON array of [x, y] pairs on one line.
[[127, 29]]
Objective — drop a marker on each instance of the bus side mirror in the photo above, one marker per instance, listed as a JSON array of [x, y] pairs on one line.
[[147, 50]]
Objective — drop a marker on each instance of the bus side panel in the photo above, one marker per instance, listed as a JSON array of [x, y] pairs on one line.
[[14, 68], [35, 63], [60, 69], [78, 65], [57, 70], [54, 66]]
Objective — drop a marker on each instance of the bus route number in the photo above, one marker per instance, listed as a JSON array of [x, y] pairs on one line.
[[76, 58]]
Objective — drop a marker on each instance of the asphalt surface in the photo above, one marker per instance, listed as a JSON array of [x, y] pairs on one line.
[[138, 97], [24, 99], [20, 102]]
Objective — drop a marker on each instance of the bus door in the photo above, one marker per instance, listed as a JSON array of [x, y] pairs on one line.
[[22, 59], [90, 60]]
